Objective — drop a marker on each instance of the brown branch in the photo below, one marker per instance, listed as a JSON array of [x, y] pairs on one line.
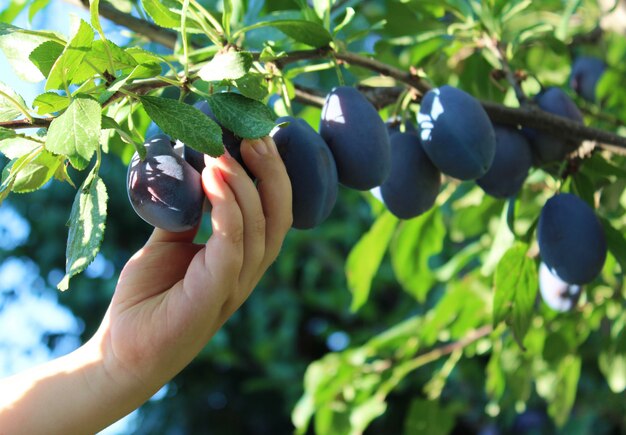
[[19, 124]]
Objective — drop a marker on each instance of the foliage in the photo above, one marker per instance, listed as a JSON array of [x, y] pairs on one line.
[[440, 327]]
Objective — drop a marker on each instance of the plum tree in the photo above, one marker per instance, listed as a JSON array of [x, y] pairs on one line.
[[510, 165], [357, 137], [546, 147], [456, 133], [556, 293], [571, 239], [164, 190], [413, 183], [311, 169], [586, 71]]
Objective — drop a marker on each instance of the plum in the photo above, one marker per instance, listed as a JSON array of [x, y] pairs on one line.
[[546, 147], [510, 165], [164, 190], [556, 293], [571, 239], [586, 71], [311, 169], [413, 183], [456, 133], [357, 137]]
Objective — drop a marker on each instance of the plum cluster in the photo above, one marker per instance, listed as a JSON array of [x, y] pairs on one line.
[[402, 164]]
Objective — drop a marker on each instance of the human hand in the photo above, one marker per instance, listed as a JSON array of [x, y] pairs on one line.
[[173, 295]]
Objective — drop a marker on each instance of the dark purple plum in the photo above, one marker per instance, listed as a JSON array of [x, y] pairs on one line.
[[510, 165], [413, 183], [357, 137], [311, 169], [456, 133], [571, 239], [546, 147], [164, 190], [586, 71], [556, 293]]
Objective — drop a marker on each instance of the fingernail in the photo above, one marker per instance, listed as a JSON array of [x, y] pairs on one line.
[[260, 147]]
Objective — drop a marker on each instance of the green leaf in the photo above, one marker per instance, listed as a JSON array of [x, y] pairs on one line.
[[565, 387], [11, 104], [226, 66], [97, 59], [70, 61], [6, 133], [226, 16], [243, 116], [186, 123], [612, 360], [45, 55], [428, 417], [87, 223], [12, 169], [252, 86], [17, 44], [50, 102], [76, 133], [307, 32], [37, 172], [167, 13], [94, 12], [16, 147], [414, 243], [516, 284], [365, 258], [142, 71], [35, 7], [616, 243]]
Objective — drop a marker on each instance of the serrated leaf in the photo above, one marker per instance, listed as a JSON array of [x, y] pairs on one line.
[[11, 104], [252, 86], [10, 171], [37, 172], [185, 123], [76, 133], [142, 56], [70, 60], [87, 224], [365, 258], [16, 147], [307, 32], [17, 44], [243, 116], [516, 284], [226, 66], [415, 242], [50, 102], [97, 59], [167, 13], [45, 55]]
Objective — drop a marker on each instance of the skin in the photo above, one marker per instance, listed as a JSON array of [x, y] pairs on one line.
[[160, 317]]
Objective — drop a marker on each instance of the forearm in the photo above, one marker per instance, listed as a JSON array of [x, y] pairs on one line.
[[75, 394]]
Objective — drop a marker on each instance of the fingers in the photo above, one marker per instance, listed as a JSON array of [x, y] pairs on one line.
[[160, 235], [224, 249], [263, 160], [249, 202]]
